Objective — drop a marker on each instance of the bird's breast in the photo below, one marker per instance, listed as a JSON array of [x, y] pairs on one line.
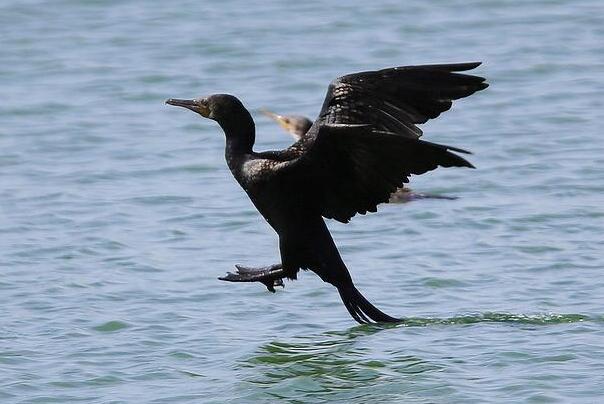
[[285, 210]]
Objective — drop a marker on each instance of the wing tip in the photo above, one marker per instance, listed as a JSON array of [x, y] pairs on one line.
[[471, 65], [468, 164], [452, 67], [460, 67], [461, 162], [458, 150]]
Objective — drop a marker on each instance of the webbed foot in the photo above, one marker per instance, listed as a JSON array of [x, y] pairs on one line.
[[270, 276]]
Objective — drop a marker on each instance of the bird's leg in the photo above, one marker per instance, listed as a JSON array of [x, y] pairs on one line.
[[270, 276]]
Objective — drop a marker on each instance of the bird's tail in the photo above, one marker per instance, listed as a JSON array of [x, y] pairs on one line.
[[360, 309], [328, 264]]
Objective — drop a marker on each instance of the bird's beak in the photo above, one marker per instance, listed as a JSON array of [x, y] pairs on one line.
[[280, 119], [199, 105], [270, 114]]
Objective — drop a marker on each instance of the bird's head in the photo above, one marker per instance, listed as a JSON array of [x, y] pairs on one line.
[[218, 107], [231, 115]]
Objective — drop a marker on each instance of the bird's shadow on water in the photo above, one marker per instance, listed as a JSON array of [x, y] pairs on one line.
[[349, 365]]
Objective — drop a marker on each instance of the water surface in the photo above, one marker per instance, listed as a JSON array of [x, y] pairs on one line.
[[118, 213]]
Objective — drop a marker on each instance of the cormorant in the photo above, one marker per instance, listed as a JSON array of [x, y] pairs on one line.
[[298, 125], [364, 144]]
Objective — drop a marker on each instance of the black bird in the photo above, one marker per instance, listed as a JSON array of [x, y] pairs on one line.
[[364, 144], [298, 125]]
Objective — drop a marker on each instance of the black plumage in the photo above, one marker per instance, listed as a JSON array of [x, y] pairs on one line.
[[298, 125], [364, 144]]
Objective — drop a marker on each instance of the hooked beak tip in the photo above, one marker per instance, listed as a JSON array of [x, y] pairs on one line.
[[171, 101]]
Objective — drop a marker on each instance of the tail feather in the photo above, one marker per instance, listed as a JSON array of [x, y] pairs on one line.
[[360, 309], [328, 264]]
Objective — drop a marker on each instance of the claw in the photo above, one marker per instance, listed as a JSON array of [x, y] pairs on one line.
[[269, 285], [229, 277]]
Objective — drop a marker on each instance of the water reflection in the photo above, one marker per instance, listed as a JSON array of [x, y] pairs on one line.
[[329, 365]]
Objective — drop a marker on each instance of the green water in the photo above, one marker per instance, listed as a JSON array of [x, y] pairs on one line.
[[117, 213]]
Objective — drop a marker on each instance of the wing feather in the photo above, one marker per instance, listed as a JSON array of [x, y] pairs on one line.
[[399, 98], [365, 142], [350, 169]]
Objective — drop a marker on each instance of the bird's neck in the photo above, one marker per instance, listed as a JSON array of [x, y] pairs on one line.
[[240, 134]]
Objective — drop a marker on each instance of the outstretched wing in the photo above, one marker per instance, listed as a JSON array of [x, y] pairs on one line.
[[399, 98], [365, 143], [350, 169]]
